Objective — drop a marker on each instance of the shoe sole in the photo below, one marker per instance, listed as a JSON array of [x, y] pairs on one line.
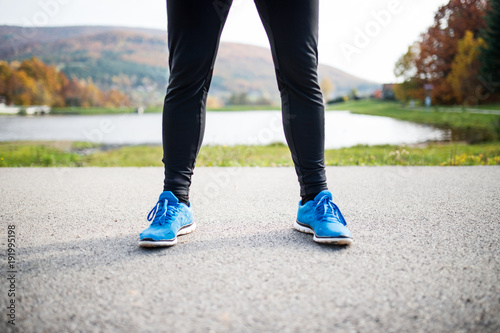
[[322, 240], [168, 242]]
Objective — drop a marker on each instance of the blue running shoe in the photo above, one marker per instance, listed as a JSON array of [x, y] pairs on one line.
[[322, 218], [170, 219]]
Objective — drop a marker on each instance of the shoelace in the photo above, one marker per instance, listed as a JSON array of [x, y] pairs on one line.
[[168, 213], [325, 208]]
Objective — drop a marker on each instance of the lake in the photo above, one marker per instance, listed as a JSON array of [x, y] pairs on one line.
[[343, 129]]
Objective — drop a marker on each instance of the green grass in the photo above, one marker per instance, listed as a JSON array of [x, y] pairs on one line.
[[120, 110], [245, 108], [42, 153], [92, 110], [487, 107], [431, 155], [74, 154], [469, 126], [379, 108]]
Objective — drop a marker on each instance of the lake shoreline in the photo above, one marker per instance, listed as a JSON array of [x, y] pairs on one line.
[[462, 126], [342, 129], [471, 127]]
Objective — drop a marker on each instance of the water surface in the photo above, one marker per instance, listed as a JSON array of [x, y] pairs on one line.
[[343, 129]]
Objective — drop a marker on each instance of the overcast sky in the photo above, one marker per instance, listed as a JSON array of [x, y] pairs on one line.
[[361, 37]]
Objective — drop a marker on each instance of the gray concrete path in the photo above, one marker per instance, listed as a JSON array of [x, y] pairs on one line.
[[425, 257]]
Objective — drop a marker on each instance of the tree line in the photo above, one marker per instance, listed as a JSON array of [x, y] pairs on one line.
[[32, 82], [457, 59]]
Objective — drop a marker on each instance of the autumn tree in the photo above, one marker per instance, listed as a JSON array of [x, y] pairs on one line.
[[32, 82], [47, 80], [5, 74], [405, 66], [327, 88], [21, 88], [114, 98], [438, 46], [91, 94], [405, 69], [463, 78]]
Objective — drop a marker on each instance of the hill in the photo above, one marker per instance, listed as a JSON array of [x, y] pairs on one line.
[[134, 60]]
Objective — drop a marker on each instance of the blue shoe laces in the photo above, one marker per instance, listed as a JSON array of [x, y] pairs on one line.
[[326, 211], [169, 214]]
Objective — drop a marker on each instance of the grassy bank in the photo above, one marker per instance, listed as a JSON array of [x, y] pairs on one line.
[[92, 110], [121, 110], [74, 154], [245, 108], [472, 127]]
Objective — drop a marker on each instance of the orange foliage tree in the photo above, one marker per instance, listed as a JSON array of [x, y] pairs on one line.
[[463, 78], [35, 83], [438, 47]]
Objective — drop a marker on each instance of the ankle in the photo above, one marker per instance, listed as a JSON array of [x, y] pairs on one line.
[[308, 197], [182, 198]]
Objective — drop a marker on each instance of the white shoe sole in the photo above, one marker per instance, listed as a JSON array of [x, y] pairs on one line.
[[170, 242], [322, 240]]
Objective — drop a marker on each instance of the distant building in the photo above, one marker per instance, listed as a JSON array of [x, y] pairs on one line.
[[37, 109], [31, 110], [8, 109], [377, 94], [388, 91]]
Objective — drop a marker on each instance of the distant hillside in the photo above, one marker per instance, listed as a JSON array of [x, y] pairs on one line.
[[134, 60]]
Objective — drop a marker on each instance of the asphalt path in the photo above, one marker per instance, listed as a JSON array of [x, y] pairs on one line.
[[425, 256]]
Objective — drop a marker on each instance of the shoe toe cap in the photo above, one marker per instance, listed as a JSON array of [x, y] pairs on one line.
[[157, 234], [333, 230]]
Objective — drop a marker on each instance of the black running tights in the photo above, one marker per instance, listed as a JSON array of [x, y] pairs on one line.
[[194, 29]]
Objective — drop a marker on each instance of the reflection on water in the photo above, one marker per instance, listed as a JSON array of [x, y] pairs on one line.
[[343, 129], [472, 135]]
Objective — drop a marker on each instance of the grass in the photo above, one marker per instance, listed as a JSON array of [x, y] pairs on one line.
[[78, 154], [120, 110], [92, 110], [245, 108], [470, 126], [42, 153], [430, 155], [487, 107]]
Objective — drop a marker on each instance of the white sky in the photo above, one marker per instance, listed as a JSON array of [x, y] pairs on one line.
[[371, 58]]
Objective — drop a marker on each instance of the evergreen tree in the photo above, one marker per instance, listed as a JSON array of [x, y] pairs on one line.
[[490, 54]]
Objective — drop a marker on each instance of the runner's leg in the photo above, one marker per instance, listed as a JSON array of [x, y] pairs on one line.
[[194, 29], [292, 28]]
